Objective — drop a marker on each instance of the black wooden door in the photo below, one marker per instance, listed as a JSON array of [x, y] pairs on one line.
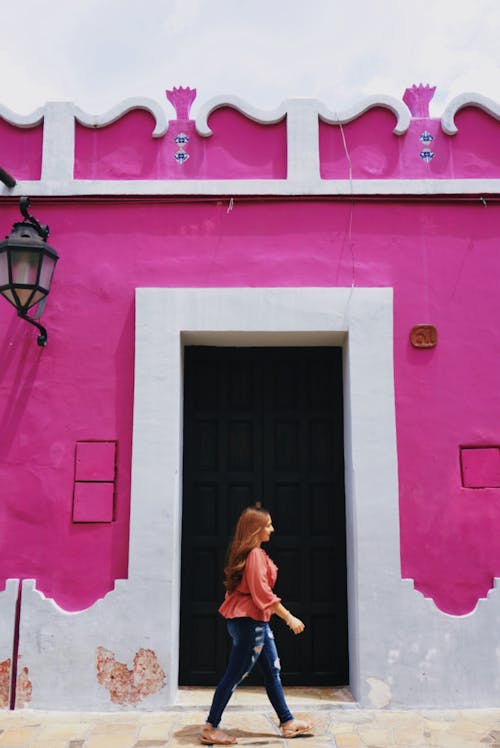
[[265, 424]]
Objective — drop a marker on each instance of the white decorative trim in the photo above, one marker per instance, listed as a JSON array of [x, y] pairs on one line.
[[397, 107], [259, 187], [467, 99], [58, 153], [22, 120], [303, 169], [262, 116], [302, 128], [361, 319], [123, 108]]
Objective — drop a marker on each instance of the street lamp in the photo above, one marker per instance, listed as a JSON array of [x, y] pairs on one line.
[[26, 267]]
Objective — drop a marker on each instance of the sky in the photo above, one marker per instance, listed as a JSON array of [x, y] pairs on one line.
[[99, 52]]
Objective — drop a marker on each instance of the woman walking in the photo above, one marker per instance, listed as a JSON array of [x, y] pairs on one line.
[[248, 606]]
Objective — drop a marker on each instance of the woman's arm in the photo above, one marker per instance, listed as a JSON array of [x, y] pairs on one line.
[[291, 621]]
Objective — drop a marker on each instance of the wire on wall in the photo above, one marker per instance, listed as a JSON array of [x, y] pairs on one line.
[[351, 210]]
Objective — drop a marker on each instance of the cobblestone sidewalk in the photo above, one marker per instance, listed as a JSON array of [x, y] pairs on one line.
[[336, 727]]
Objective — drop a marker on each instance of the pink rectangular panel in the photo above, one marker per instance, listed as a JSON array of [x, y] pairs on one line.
[[95, 461], [480, 467], [93, 502]]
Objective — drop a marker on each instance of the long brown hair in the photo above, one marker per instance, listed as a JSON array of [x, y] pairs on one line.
[[252, 520]]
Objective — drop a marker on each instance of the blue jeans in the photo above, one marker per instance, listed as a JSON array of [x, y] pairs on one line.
[[253, 641]]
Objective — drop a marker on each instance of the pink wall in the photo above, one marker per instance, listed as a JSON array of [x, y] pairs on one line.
[[238, 148], [66, 411], [21, 150], [241, 149], [376, 153], [443, 263]]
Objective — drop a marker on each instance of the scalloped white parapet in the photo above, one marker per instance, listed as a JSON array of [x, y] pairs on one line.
[[271, 116], [467, 99], [262, 116], [22, 120], [397, 107], [123, 108], [302, 132]]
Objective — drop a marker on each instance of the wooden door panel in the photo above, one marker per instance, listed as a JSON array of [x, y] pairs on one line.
[[265, 424], [206, 499], [240, 446], [203, 658], [287, 507]]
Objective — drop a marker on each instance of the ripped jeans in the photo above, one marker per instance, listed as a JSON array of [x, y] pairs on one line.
[[253, 641]]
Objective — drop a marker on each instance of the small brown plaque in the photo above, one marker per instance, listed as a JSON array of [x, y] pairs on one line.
[[423, 336]]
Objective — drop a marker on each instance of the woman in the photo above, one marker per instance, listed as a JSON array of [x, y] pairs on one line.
[[248, 606]]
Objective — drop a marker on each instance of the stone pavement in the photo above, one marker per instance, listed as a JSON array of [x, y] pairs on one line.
[[338, 723]]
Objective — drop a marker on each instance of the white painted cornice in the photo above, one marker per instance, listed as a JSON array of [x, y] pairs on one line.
[[397, 107], [260, 187], [467, 99]]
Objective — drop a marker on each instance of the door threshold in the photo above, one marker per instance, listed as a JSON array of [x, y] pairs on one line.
[[254, 697]]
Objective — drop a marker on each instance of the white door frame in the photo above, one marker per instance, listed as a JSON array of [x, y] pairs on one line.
[[358, 319]]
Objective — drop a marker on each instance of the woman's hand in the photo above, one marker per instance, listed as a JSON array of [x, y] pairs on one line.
[[292, 622], [295, 624]]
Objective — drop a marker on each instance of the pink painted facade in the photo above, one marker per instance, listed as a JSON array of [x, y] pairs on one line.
[[66, 410]]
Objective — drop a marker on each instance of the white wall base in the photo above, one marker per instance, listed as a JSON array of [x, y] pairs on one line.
[[60, 649], [8, 601]]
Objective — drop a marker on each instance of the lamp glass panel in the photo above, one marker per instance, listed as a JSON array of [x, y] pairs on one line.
[[37, 296], [4, 269], [24, 295], [9, 296], [48, 265], [24, 264]]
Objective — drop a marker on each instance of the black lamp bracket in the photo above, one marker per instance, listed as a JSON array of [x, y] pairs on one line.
[[42, 338], [24, 204]]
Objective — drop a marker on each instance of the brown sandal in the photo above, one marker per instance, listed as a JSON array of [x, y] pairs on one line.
[[295, 728], [216, 737]]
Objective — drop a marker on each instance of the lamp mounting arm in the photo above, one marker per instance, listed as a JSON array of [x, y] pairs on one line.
[[42, 338], [24, 204]]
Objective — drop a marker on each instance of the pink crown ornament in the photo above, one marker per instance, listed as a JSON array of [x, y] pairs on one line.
[[181, 99], [418, 98]]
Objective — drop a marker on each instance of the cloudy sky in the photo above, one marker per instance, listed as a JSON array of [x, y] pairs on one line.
[[99, 52]]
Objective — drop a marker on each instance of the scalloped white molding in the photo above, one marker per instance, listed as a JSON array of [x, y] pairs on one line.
[[22, 120], [303, 173], [262, 116], [123, 108], [467, 99], [301, 127], [30, 584], [481, 603], [397, 107]]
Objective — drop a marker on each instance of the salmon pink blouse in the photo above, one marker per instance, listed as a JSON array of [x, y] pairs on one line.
[[254, 596]]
